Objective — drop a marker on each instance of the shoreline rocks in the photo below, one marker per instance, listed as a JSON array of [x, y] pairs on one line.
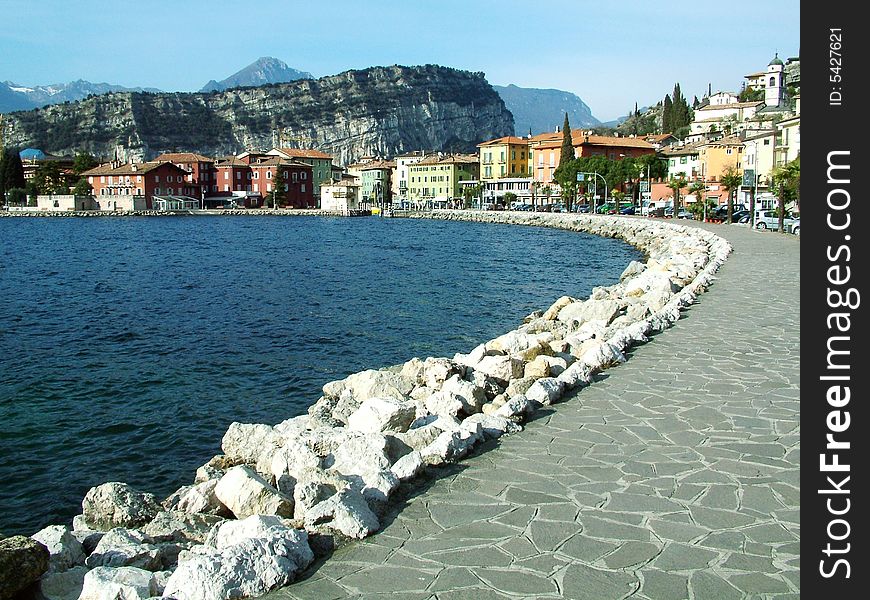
[[330, 473]]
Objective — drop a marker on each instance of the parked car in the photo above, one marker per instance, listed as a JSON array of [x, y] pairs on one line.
[[628, 210], [721, 212], [768, 219], [584, 208], [738, 215], [795, 227]]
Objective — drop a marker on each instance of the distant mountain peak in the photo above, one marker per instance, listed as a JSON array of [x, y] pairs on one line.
[[541, 110], [262, 71]]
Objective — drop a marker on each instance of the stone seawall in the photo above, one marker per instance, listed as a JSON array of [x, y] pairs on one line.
[[256, 515]]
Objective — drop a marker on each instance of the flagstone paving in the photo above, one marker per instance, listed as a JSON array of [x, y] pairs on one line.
[[675, 475]]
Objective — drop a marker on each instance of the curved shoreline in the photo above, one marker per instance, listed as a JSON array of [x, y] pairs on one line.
[[338, 440]]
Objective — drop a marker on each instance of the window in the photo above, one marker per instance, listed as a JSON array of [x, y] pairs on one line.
[[683, 160], [256, 187], [256, 174], [138, 191], [767, 142], [268, 187], [157, 191], [294, 177], [169, 191], [729, 150], [302, 188], [772, 82], [226, 174], [286, 187], [138, 179], [226, 187], [157, 179]]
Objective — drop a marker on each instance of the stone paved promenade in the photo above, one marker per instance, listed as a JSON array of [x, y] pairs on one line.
[[673, 476]]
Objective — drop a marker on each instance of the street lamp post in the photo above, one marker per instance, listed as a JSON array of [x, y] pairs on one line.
[[605, 187]]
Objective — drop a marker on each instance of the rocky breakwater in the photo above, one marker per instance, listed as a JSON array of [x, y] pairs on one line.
[[256, 515]]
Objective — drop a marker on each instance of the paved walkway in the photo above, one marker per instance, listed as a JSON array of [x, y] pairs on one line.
[[676, 475]]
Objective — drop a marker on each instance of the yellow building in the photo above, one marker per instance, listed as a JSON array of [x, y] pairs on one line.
[[437, 179], [504, 157], [716, 157]]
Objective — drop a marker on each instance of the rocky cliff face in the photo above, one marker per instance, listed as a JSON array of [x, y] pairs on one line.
[[380, 110]]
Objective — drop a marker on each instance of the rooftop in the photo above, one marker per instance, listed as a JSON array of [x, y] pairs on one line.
[[508, 139], [732, 105], [186, 157], [303, 153], [131, 168]]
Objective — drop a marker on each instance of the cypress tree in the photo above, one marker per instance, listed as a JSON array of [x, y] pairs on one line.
[[667, 115], [15, 170], [567, 143], [2, 174]]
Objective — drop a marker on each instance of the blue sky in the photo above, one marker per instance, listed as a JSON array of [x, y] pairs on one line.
[[611, 54]]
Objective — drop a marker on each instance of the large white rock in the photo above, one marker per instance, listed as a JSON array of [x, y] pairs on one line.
[[444, 403], [516, 407], [249, 568], [370, 384], [116, 504], [472, 395], [545, 390], [591, 310], [243, 442], [291, 458], [346, 512], [124, 583], [553, 312], [472, 358], [408, 466], [494, 426], [577, 375], [230, 533], [64, 549], [376, 415], [501, 368], [197, 498], [452, 445], [245, 493], [65, 585], [438, 370], [177, 526], [126, 548], [601, 355], [361, 453]]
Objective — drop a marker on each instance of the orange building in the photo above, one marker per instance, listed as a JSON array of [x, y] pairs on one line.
[[547, 150]]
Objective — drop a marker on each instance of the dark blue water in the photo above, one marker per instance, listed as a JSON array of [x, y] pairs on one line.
[[128, 345]]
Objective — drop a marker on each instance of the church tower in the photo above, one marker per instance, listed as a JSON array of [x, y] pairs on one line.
[[774, 83]]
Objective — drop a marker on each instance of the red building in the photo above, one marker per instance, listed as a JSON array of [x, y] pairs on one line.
[[201, 170], [248, 177], [139, 181]]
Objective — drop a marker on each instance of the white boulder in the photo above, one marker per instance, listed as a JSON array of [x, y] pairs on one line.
[[376, 415], [64, 549], [246, 493], [123, 583], [347, 512], [117, 504]]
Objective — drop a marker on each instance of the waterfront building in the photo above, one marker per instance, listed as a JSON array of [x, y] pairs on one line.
[[133, 186], [437, 179], [246, 180], [757, 162], [374, 177], [399, 179], [342, 195], [504, 157], [201, 170], [321, 164], [547, 154]]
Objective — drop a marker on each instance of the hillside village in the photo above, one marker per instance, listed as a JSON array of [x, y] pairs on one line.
[[747, 135]]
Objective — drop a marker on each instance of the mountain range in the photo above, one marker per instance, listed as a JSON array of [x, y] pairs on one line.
[[379, 111], [535, 110], [21, 97], [543, 110]]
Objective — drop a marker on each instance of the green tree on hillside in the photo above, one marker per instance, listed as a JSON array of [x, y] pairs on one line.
[[83, 162], [667, 109], [83, 188]]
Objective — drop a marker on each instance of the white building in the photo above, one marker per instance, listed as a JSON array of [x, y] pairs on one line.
[[788, 137], [683, 161], [774, 89], [340, 196], [758, 158], [400, 176]]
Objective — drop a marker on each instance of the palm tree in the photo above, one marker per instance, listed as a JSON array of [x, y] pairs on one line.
[[676, 184], [699, 190], [730, 181]]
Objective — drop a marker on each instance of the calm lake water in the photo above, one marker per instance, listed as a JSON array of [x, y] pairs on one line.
[[128, 345]]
